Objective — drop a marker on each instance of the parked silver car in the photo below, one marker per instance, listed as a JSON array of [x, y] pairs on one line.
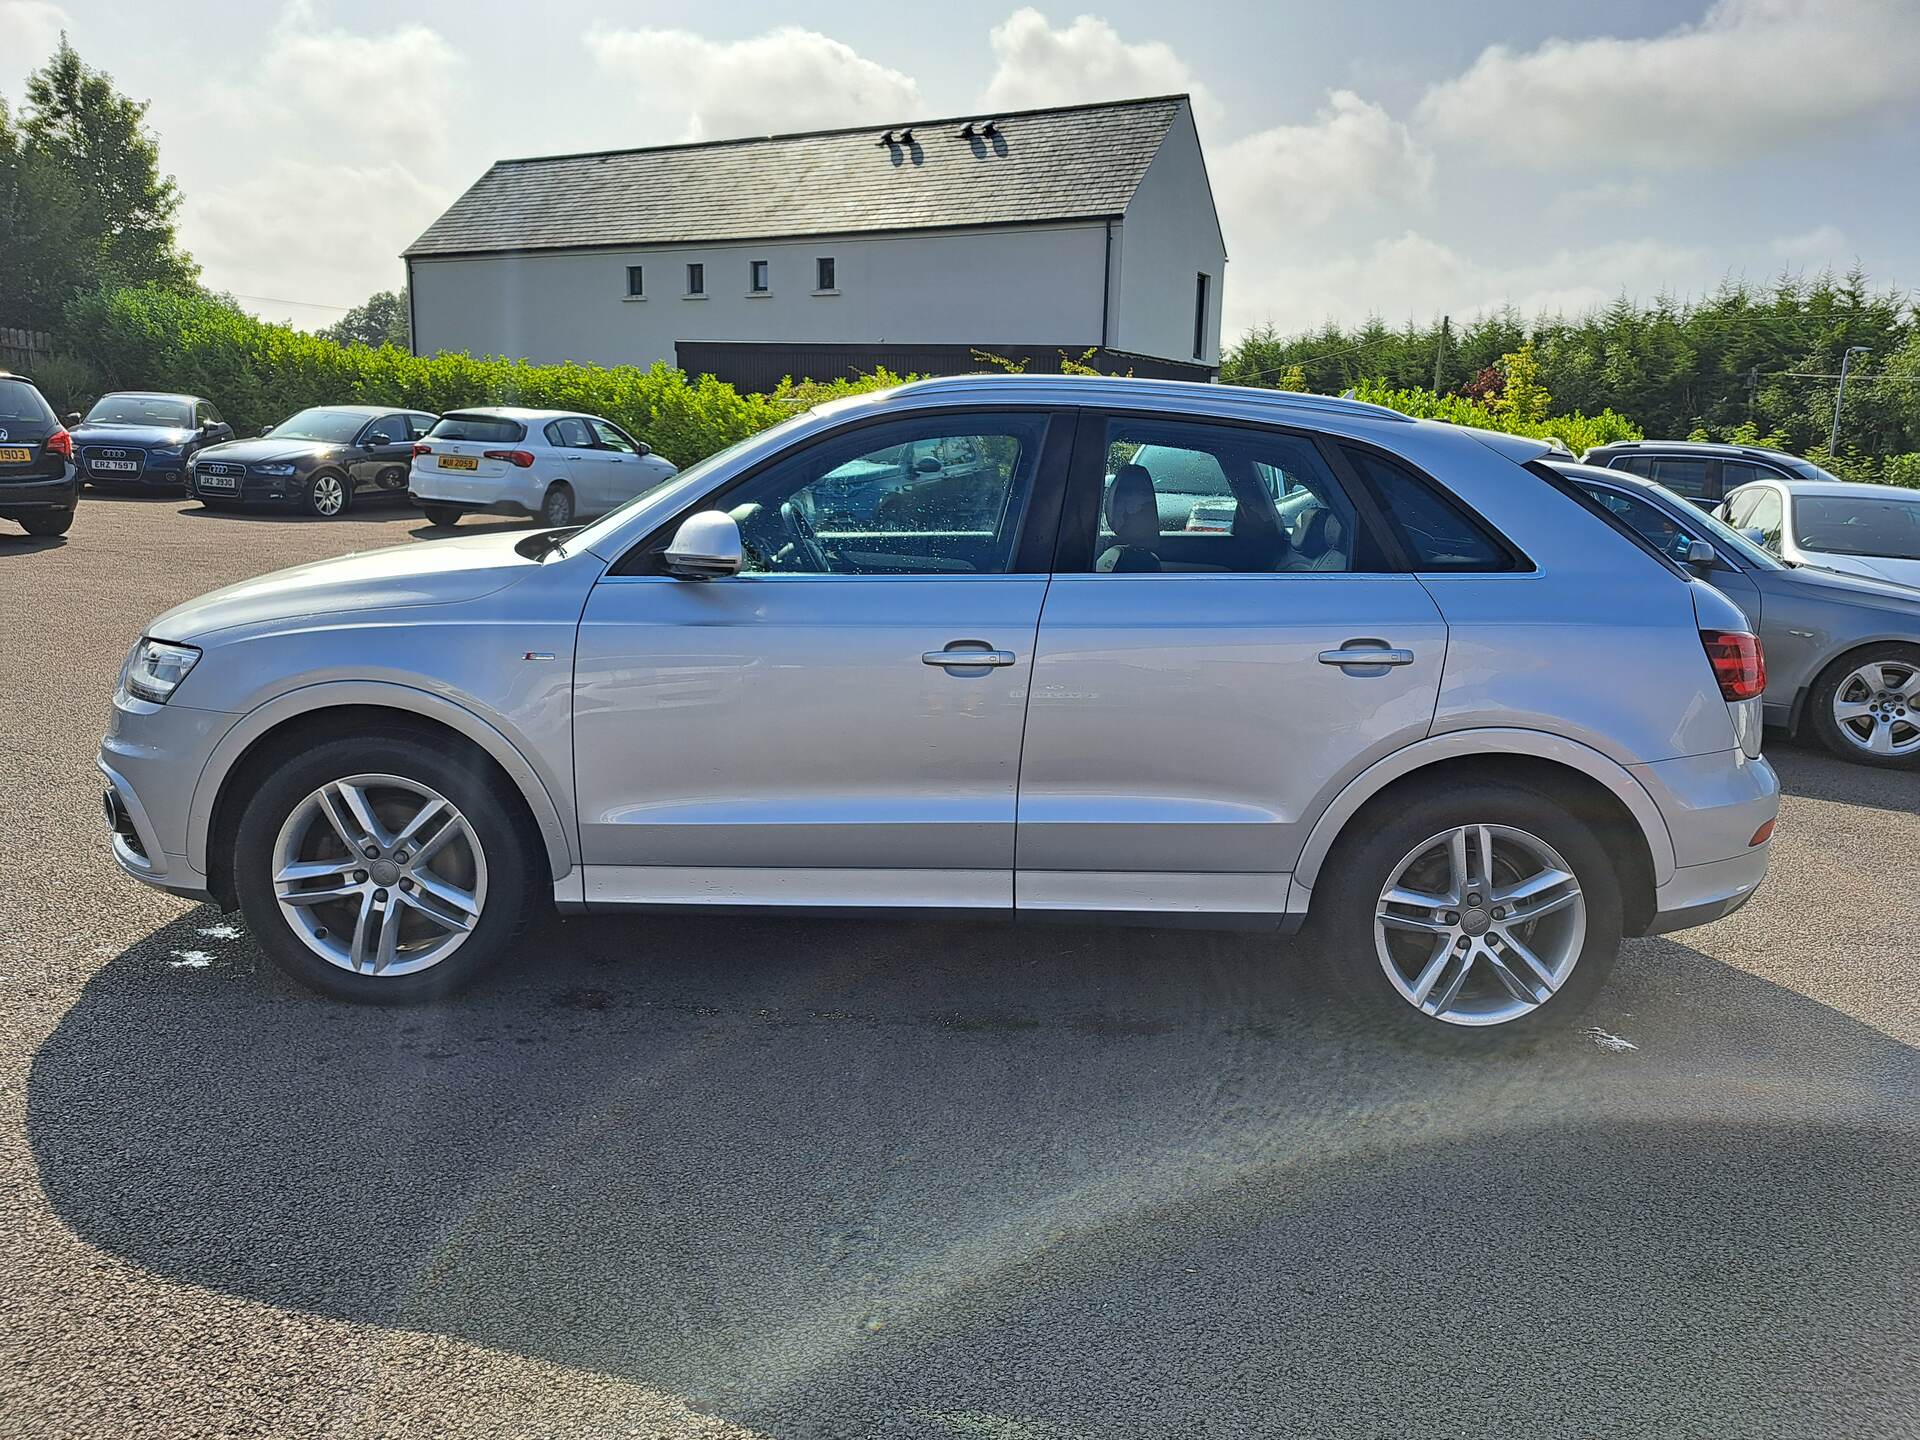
[[1871, 530], [1843, 651], [1500, 736]]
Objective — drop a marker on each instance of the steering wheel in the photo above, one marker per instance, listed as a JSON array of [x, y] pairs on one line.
[[801, 534]]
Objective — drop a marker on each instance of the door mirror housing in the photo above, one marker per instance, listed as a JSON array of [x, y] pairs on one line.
[[379, 437], [706, 547], [927, 465], [73, 419], [1701, 555], [266, 429]]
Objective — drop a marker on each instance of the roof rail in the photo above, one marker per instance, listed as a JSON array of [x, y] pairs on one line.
[[1120, 387]]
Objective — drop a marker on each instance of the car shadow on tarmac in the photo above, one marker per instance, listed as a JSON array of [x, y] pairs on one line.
[[837, 1179]]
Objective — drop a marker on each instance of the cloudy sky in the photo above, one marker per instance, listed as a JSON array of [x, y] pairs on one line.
[[1400, 158]]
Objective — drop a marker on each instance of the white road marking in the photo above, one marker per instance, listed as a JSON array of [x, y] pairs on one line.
[[190, 960], [220, 932], [1606, 1041]]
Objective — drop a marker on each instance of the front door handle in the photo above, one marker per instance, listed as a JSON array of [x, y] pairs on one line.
[[968, 654], [1366, 652]]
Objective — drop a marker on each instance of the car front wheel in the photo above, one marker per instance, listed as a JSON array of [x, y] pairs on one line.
[[1468, 914], [326, 495], [383, 869]]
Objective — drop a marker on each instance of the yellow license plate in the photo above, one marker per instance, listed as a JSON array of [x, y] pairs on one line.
[[458, 462], [14, 455]]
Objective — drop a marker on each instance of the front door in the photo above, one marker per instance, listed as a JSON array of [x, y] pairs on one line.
[[840, 723], [1199, 688]]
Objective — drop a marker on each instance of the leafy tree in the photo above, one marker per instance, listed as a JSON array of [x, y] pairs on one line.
[[381, 321], [82, 199]]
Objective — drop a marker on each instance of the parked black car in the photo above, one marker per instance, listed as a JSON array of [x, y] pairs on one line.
[[1702, 471], [142, 440], [318, 460], [38, 486]]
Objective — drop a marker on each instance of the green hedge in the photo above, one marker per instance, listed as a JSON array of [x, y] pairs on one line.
[[1578, 431], [258, 374]]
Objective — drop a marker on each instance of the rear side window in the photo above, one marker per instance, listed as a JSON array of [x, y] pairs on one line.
[[1438, 533], [488, 429], [20, 401]]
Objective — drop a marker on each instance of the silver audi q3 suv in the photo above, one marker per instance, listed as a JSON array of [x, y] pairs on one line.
[[953, 648]]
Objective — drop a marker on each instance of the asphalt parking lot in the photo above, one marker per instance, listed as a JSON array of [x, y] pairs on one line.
[[730, 1178]]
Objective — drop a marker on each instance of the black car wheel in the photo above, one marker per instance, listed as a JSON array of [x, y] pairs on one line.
[[443, 516], [327, 494], [55, 524]]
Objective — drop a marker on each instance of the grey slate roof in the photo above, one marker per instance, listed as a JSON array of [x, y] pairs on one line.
[[1080, 162]]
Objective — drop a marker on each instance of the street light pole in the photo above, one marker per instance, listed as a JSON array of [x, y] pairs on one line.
[[1833, 439]]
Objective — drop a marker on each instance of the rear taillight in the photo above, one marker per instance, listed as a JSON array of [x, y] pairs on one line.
[[1738, 663], [522, 458], [423, 449], [60, 443]]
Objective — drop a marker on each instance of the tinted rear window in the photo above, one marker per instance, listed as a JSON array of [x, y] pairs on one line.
[[20, 401], [488, 429], [1438, 532]]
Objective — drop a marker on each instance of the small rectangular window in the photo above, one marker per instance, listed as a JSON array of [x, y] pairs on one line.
[[696, 279], [636, 283], [757, 276], [1200, 315], [823, 273]]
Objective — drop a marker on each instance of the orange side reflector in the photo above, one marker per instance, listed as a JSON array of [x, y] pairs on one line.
[[1762, 835]]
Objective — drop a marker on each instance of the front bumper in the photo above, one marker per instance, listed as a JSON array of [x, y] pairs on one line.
[[251, 490], [151, 758]]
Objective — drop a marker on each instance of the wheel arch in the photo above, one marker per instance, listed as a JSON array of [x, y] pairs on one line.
[[287, 718], [1617, 803]]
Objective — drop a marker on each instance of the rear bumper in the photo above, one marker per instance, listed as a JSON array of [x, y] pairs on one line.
[[1713, 805], [518, 494], [1701, 894], [37, 497]]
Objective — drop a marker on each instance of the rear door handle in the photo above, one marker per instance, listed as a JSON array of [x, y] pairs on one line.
[[967, 654], [1368, 652]]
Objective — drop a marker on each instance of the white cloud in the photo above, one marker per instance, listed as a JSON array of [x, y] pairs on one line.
[[1087, 60], [1603, 196], [1412, 275], [299, 230], [29, 29], [787, 79], [386, 92], [1276, 181], [1751, 76], [1824, 244]]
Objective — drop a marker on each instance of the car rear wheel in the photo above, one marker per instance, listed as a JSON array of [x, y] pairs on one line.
[[1462, 916], [326, 494], [57, 524], [1866, 706], [443, 516], [384, 869], [557, 509]]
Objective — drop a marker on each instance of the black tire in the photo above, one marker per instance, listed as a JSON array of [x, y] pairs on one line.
[[443, 516], [557, 509], [318, 495], [1905, 715], [514, 868], [1342, 940], [56, 524]]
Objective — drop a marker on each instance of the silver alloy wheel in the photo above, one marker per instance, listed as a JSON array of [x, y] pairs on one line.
[[559, 507], [379, 875], [1480, 925], [329, 495], [1877, 708]]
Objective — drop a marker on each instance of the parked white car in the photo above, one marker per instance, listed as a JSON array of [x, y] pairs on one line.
[[1871, 530], [553, 464]]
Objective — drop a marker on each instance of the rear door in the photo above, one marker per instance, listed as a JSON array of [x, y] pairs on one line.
[[838, 724], [1196, 693]]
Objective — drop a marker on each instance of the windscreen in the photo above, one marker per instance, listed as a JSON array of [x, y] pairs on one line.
[[158, 410], [1858, 525], [332, 427]]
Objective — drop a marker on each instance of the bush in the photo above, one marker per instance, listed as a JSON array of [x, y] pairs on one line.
[[1902, 470], [258, 374], [1577, 431]]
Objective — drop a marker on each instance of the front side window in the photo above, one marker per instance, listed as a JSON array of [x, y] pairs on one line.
[[1742, 472], [1654, 525], [570, 433], [610, 438], [1858, 525], [1438, 533], [394, 427], [757, 276], [823, 278], [1768, 516], [929, 496], [1180, 497], [696, 279], [636, 282]]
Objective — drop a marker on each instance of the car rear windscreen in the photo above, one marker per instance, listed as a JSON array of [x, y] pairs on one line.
[[488, 429], [20, 401]]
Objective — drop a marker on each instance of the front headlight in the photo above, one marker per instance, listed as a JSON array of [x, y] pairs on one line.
[[165, 452], [156, 668], [277, 471]]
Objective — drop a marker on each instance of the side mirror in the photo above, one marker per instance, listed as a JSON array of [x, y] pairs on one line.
[[378, 437], [266, 429], [927, 465], [73, 419], [642, 448], [1701, 554], [706, 547]]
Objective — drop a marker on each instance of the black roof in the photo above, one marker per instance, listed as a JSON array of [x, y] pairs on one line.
[[1075, 162]]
